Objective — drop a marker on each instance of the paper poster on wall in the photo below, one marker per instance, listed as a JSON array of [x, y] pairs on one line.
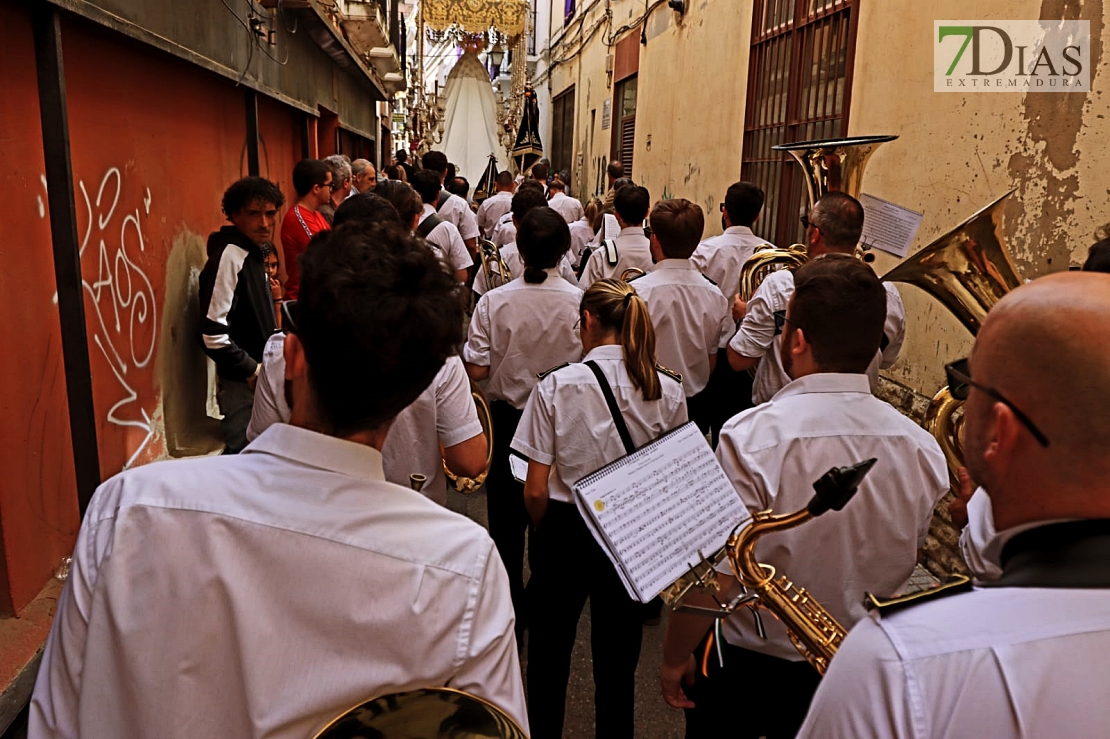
[[606, 113], [888, 226]]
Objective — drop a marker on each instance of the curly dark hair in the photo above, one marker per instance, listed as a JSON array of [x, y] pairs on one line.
[[248, 190], [377, 314]]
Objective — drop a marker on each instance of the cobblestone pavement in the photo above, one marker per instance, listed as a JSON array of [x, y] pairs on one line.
[[654, 718]]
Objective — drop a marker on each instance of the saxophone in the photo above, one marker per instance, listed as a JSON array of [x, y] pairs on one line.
[[814, 631]]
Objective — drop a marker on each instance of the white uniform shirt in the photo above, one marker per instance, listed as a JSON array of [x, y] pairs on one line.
[[447, 239], [721, 257], [566, 423], [775, 452], [443, 414], [511, 256], [756, 335], [633, 250], [566, 206], [691, 318], [491, 209], [457, 211], [998, 663], [580, 235], [522, 329], [264, 594], [505, 231]]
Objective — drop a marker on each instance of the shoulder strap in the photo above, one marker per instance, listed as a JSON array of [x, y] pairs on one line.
[[444, 196], [297, 212], [428, 225], [583, 258], [618, 419], [610, 247]]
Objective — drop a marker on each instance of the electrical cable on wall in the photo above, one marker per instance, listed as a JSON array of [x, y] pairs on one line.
[[250, 36]]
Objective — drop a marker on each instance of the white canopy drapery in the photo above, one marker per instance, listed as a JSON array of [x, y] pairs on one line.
[[470, 122]]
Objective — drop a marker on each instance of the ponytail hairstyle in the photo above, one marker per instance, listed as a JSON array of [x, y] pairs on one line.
[[542, 240], [615, 304]]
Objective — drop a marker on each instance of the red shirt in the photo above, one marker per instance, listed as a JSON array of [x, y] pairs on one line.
[[299, 226]]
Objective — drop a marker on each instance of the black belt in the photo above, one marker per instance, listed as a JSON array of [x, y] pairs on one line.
[[1073, 554]]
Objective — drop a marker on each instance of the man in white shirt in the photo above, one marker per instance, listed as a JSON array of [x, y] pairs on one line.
[[266, 593], [631, 248], [826, 417], [581, 234], [833, 226], [523, 202], [438, 230], [721, 259], [451, 207], [504, 232], [1025, 657], [496, 205], [569, 208], [691, 316]]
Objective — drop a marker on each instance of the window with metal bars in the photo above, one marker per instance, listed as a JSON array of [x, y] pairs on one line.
[[624, 130], [562, 130], [799, 87]]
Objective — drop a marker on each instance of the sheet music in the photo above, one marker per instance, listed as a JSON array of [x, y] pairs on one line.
[[653, 511], [888, 226]]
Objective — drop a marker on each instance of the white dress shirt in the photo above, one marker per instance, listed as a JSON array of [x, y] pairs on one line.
[[756, 336], [691, 318], [999, 662], [567, 424], [264, 594], [491, 209], [443, 414], [522, 329], [775, 452], [505, 230], [448, 240], [511, 256], [722, 257], [633, 251], [580, 234], [566, 206], [457, 211]]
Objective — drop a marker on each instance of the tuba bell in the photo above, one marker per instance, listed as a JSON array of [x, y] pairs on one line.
[[468, 485], [428, 712], [495, 269]]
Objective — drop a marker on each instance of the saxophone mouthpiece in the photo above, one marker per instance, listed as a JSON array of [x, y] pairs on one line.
[[837, 486], [416, 481]]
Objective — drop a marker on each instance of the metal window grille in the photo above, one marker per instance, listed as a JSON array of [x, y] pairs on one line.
[[799, 85], [562, 130]]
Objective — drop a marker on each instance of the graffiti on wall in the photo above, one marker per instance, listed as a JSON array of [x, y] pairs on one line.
[[121, 306]]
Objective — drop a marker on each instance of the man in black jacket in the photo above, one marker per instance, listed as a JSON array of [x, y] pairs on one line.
[[236, 307]]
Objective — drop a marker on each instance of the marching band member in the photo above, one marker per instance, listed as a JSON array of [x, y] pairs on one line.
[[833, 226], [1025, 657], [690, 314], [826, 417], [448, 206], [497, 204], [566, 206], [523, 202], [517, 331], [630, 249], [264, 594], [568, 431], [438, 230]]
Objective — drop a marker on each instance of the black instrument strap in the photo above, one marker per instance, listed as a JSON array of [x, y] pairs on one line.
[[441, 201], [607, 391], [428, 225]]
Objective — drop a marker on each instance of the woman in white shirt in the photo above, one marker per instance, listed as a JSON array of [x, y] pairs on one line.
[[568, 431], [517, 331]]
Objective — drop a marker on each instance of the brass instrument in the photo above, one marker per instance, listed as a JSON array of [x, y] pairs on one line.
[[430, 713], [765, 260], [496, 271], [813, 630], [417, 481], [471, 484], [632, 273]]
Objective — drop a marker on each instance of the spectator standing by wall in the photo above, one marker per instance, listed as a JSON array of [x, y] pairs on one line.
[[312, 181]]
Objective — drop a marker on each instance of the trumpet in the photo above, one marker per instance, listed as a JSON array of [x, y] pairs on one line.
[[497, 272]]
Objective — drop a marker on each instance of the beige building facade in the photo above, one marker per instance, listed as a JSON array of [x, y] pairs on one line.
[[716, 85]]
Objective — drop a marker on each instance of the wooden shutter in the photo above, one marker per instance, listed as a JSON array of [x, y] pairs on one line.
[[628, 139]]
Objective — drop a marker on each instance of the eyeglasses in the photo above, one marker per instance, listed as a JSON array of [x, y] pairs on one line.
[[722, 207], [780, 321], [960, 384], [578, 323], [289, 316], [329, 185], [806, 222]]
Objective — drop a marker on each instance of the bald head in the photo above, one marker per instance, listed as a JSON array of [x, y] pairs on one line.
[[1046, 348]]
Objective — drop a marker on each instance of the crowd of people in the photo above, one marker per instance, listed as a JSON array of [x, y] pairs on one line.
[[315, 565]]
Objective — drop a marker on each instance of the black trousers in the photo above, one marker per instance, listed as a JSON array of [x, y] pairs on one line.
[[568, 567], [726, 394], [508, 518], [777, 691], [700, 409]]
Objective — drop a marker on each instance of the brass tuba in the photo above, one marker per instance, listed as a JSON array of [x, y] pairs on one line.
[[814, 631], [968, 269], [496, 271], [429, 712], [828, 165], [471, 484]]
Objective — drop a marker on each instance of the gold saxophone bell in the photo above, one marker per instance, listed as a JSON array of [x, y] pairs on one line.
[[430, 712], [497, 272], [471, 484], [814, 631]]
